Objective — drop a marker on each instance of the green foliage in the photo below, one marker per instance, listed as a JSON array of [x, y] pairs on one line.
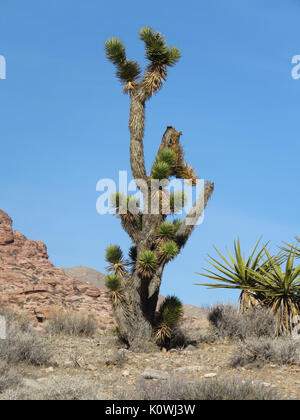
[[166, 230], [113, 254], [115, 51], [262, 281], [169, 250], [133, 253], [177, 223], [127, 71], [177, 201], [113, 282], [167, 155], [171, 311], [118, 200], [160, 170], [157, 51], [281, 290], [148, 260]]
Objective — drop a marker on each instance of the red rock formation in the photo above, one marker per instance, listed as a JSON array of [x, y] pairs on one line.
[[29, 282]]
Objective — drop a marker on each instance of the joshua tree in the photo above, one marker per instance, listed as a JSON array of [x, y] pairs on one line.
[[134, 285]]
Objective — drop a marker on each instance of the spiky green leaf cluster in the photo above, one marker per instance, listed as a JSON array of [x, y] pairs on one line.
[[171, 311], [169, 250], [157, 51], [167, 155], [133, 253], [133, 204], [127, 71], [118, 200], [160, 170], [166, 230], [113, 254], [177, 223], [113, 282], [148, 260], [177, 201]]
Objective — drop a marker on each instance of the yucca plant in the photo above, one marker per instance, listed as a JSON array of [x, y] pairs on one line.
[[287, 248], [113, 283], [168, 250], [114, 256], [141, 277], [166, 230], [147, 264], [236, 272], [280, 290], [169, 315]]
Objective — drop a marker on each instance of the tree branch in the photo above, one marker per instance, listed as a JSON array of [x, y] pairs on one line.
[[194, 214]]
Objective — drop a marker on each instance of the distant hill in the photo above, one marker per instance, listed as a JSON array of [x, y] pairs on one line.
[[87, 275]]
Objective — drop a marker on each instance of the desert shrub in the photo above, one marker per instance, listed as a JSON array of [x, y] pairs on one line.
[[8, 377], [282, 351], [24, 345], [215, 389], [72, 323], [229, 323], [57, 388]]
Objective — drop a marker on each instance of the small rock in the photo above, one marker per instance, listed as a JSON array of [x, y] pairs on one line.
[[189, 369], [164, 350], [49, 369], [154, 374], [125, 373], [190, 347], [173, 351], [266, 384], [210, 375]]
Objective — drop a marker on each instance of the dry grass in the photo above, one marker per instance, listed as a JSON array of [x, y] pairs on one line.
[[215, 389], [228, 323], [56, 389], [73, 324], [282, 351]]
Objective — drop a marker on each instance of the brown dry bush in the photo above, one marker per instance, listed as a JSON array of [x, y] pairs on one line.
[[72, 323], [215, 389], [228, 323], [282, 351]]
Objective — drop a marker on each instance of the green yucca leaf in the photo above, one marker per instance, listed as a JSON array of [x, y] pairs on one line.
[[113, 254], [118, 200], [133, 204], [160, 170], [171, 311], [177, 223], [177, 201], [167, 155], [169, 250], [128, 71], [147, 35], [148, 260], [166, 230], [133, 253], [113, 282], [115, 51], [174, 55]]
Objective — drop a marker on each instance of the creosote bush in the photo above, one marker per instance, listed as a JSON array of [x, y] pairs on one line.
[[62, 388], [24, 346], [72, 323], [229, 323], [215, 389], [282, 351]]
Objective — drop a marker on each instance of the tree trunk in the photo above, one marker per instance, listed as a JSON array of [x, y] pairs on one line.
[[135, 315]]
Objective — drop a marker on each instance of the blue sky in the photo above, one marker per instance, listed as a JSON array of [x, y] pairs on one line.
[[64, 122]]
